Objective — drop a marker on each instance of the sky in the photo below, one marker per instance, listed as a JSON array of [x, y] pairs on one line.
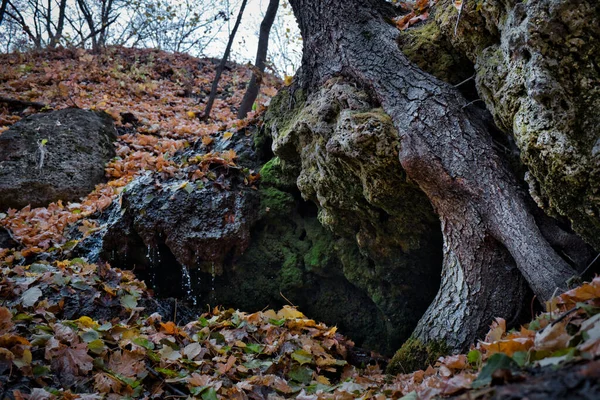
[[285, 45]]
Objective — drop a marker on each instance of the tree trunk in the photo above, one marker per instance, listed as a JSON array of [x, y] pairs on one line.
[[261, 57], [446, 149], [2, 10], [221, 66], [55, 38]]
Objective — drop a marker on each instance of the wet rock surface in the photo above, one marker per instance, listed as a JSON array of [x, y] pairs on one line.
[[54, 156], [227, 241]]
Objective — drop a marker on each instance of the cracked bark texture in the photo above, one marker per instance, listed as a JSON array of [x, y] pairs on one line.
[[447, 151]]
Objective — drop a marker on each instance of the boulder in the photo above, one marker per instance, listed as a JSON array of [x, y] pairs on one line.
[[342, 152], [54, 156]]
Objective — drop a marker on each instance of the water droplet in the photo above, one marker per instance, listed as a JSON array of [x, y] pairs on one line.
[[186, 280]]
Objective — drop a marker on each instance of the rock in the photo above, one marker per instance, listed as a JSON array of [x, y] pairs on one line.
[[227, 243], [343, 153], [537, 71], [54, 156], [542, 82]]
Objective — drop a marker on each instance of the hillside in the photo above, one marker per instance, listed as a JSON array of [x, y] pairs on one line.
[[74, 329]]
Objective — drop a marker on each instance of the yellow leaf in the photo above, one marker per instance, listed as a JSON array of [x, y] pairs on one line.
[[191, 114], [86, 322], [323, 380], [227, 135], [289, 312], [287, 80]]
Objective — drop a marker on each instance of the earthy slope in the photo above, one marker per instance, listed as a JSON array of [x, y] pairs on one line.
[[70, 329]]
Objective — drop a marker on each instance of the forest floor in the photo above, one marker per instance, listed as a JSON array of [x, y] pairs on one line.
[[70, 329]]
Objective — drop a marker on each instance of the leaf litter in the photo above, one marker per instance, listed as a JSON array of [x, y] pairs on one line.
[[122, 349]]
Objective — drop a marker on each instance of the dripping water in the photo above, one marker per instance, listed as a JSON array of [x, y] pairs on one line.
[[186, 280]]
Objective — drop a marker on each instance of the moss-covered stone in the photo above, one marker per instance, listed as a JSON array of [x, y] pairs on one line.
[[382, 235], [274, 202], [426, 46], [540, 83], [415, 355]]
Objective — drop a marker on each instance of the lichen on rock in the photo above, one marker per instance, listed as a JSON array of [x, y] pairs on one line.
[[344, 152]]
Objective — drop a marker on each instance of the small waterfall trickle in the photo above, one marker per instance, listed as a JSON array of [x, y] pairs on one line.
[[186, 281]]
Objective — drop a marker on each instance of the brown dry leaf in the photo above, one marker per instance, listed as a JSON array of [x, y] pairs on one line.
[[508, 347], [105, 383], [73, 360], [497, 329], [127, 363], [458, 361], [6, 323], [582, 293], [458, 383], [553, 337], [224, 368]]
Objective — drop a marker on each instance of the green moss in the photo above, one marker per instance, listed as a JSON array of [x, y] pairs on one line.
[[284, 109], [274, 202], [426, 46], [415, 355], [273, 174], [291, 275], [320, 253]]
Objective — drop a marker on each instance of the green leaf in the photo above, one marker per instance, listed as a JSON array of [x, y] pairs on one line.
[[39, 268], [96, 346], [80, 284], [145, 343], [43, 142], [521, 358], [277, 322], [411, 396], [209, 394], [301, 374], [31, 296], [41, 371], [89, 335], [253, 348], [23, 317], [128, 301], [474, 357], [495, 362], [302, 357]]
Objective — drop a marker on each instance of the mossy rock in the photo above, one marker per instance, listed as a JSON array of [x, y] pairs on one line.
[[426, 46], [415, 355]]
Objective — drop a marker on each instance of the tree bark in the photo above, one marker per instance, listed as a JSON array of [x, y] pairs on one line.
[[445, 148], [221, 66], [261, 56]]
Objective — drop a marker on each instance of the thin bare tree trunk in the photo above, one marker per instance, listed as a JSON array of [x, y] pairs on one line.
[[261, 57], [221, 66], [3, 10], [55, 38]]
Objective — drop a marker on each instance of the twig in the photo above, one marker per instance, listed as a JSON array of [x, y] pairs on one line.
[[172, 388], [459, 14], [590, 265], [286, 299], [465, 81], [471, 102], [175, 312]]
